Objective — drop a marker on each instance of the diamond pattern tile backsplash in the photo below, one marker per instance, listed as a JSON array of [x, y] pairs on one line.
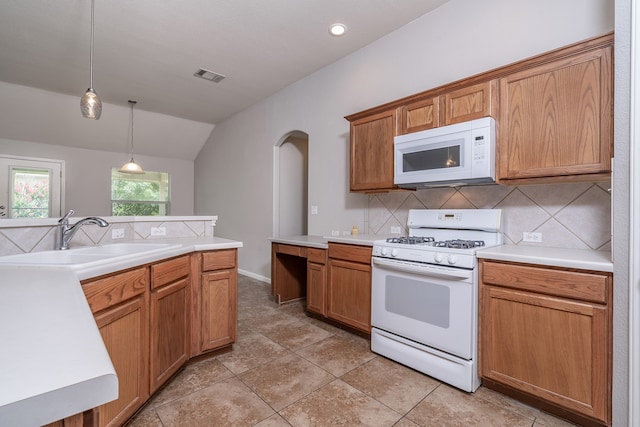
[[573, 215]]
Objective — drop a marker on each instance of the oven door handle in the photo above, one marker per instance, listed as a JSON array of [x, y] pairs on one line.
[[424, 270]]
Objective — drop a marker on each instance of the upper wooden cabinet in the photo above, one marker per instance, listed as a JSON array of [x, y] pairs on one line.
[[469, 103], [556, 120], [371, 166], [554, 116]]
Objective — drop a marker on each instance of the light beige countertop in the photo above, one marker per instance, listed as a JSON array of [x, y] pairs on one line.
[[53, 362], [322, 242], [554, 257]]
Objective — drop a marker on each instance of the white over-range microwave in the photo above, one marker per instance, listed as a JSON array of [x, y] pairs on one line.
[[454, 155]]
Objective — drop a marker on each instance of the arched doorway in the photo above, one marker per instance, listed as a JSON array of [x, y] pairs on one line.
[[291, 159]]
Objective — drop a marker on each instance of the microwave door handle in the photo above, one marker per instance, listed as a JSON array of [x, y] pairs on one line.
[[424, 270]]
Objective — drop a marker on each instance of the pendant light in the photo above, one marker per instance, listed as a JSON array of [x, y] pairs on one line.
[[132, 166], [90, 104]]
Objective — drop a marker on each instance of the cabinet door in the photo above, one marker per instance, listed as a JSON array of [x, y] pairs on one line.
[[548, 347], [419, 116], [470, 103], [556, 119], [124, 330], [316, 288], [372, 152], [169, 331], [219, 309], [349, 293]]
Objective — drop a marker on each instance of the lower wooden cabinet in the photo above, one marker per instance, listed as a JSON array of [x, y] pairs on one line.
[[546, 333], [120, 306], [169, 325], [215, 298], [317, 281], [349, 285]]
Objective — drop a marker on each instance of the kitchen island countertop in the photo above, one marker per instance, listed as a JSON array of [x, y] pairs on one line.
[[555, 257]]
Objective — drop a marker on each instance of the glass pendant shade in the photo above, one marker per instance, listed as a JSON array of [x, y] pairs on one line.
[[90, 105], [132, 166]]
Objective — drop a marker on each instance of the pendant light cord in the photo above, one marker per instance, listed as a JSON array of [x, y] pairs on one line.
[[91, 49], [132, 104]]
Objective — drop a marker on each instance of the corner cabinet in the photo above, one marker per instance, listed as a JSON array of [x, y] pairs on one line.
[[545, 334], [371, 149], [349, 285], [215, 300], [556, 119]]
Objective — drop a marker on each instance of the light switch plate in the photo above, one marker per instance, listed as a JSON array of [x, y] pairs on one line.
[[314, 210], [396, 230], [531, 237]]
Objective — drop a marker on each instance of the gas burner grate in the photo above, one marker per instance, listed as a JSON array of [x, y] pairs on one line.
[[459, 244], [411, 240]]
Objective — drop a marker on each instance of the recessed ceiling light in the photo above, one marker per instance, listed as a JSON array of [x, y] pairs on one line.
[[337, 29]]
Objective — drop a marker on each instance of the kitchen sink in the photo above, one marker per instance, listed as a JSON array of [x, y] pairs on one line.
[[86, 256]]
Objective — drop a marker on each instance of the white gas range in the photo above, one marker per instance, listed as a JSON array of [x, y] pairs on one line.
[[424, 302]]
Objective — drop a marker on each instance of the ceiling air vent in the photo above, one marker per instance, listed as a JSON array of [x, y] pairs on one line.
[[209, 75]]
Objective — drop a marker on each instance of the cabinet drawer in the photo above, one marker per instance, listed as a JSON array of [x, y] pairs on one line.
[[300, 251], [219, 260], [169, 271], [318, 256], [585, 286], [110, 291], [353, 253]]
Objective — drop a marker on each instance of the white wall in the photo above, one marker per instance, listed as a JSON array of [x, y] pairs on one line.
[[88, 175], [234, 172]]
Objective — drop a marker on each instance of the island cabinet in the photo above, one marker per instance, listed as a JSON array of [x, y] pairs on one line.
[[349, 285], [170, 311], [556, 119], [545, 336], [317, 281], [214, 300], [120, 305], [371, 152]]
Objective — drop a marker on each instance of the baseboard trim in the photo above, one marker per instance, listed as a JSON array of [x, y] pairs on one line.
[[254, 276]]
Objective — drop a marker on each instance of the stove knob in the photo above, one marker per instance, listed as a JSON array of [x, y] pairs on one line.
[[451, 259], [385, 251], [437, 258], [394, 252]]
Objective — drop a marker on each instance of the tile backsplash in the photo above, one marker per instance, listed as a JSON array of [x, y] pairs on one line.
[[572, 215], [24, 238]]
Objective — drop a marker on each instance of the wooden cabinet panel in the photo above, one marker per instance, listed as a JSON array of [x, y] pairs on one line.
[[169, 340], [124, 330], [317, 288], [219, 260], [355, 253], [219, 309], [556, 119], [349, 293], [470, 103], [371, 161], [319, 256], [169, 271], [113, 290], [557, 347], [419, 115]]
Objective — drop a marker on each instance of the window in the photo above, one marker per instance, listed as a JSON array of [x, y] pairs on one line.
[[139, 195], [30, 187]]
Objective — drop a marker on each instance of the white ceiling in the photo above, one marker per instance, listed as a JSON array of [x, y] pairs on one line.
[[148, 50]]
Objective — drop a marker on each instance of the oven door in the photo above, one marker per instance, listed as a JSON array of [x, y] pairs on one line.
[[432, 305]]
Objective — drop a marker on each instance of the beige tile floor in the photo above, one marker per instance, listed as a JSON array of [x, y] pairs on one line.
[[288, 369]]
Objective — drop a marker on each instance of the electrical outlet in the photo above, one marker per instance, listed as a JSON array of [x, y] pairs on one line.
[[117, 233], [335, 233], [396, 230], [531, 237], [346, 233], [314, 210], [158, 231]]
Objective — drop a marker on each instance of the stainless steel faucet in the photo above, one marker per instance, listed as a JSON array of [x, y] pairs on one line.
[[65, 232]]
